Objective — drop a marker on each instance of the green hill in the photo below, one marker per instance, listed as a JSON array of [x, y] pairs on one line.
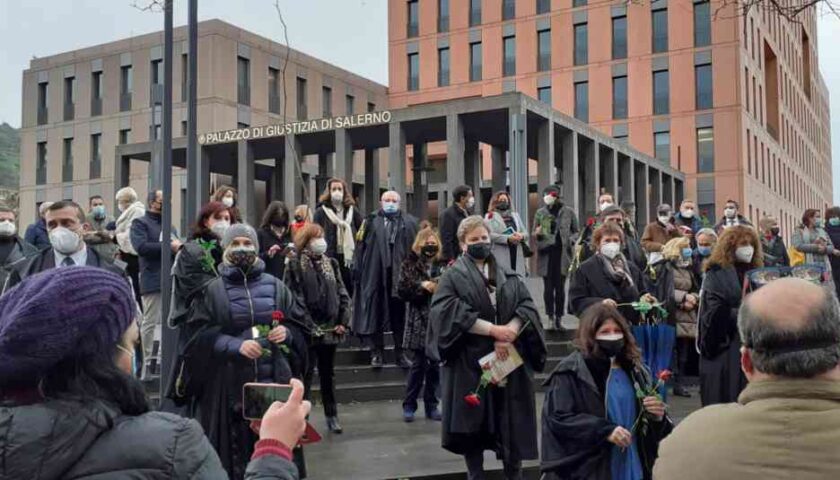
[[9, 157]]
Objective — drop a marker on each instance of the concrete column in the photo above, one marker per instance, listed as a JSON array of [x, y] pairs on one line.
[[627, 179], [472, 171], [245, 181], [571, 168], [291, 177], [325, 172], [276, 183], [343, 155], [371, 191], [420, 204], [591, 171], [499, 168], [519, 162], [655, 182], [122, 171], [609, 158], [642, 200], [203, 193], [545, 155], [668, 190], [396, 159], [454, 152]]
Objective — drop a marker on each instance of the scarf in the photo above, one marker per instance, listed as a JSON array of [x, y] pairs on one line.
[[320, 292], [616, 269], [343, 233]]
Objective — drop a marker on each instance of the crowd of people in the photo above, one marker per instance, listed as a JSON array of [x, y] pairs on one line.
[[271, 303]]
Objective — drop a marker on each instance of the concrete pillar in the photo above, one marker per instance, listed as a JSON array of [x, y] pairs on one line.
[[545, 155], [472, 171], [499, 168], [291, 175], [626, 179], [245, 181], [122, 171], [518, 142], [591, 171], [609, 159], [571, 168], [454, 152], [668, 191], [371, 191], [343, 155], [276, 182], [325, 172], [396, 159], [642, 200], [420, 204], [655, 182]]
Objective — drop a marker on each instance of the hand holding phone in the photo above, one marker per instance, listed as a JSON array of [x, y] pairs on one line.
[[282, 410]]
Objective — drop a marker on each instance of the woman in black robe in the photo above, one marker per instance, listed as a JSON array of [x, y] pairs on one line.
[[275, 238], [737, 252], [479, 308]]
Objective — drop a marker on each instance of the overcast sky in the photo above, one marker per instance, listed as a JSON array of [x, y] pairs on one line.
[[352, 34]]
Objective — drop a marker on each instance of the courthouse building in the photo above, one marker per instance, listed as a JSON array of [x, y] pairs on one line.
[[736, 102]]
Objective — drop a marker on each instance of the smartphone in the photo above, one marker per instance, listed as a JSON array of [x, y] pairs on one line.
[[257, 397]]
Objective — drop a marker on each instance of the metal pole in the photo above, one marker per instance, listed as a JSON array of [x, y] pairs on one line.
[[193, 173], [168, 340]]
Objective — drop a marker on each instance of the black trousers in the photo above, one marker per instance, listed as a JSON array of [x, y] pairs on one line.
[[554, 284], [422, 371], [346, 274], [475, 467], [684, 353], [324, 357], [396, 314]]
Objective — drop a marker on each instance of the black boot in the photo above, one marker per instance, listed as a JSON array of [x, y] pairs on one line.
[[376, 359], [333, 425], [558, 322], [680, 391]]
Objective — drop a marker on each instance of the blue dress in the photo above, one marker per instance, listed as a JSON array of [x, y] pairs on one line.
[[621, 410]]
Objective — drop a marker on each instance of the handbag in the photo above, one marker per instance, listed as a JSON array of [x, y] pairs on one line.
[[796, 257]]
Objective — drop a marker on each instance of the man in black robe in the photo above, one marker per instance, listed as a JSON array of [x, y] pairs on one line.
[[384, 239], [469, 310]]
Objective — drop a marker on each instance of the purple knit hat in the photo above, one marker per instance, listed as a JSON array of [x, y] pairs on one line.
[[61, 313]]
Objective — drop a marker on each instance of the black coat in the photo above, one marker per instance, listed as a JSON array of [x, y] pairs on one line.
[[330, 230], [20, 252], [631, 248], [275, 265], [414, 271], [590, 285], [775, 252], [506, 419], [448, 224], [834, 234], [374, 260], [62, 439], [294, 279], [45, 260], [575, 425], [193, 270]]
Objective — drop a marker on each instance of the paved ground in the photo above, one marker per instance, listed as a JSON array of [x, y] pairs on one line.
[[377, 444]]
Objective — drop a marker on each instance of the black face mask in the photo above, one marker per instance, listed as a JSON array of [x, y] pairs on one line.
[[298, 218], [502, 206], [479, 251], [430, 250], [611, 348], [775, 231]]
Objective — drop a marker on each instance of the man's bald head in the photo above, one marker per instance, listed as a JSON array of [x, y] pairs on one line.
[[791, 328]]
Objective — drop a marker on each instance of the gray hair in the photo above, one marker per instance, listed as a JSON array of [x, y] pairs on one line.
[[469, 224], [126, 193], [707, 231], [43, 207], [399, 199], [810, 350]]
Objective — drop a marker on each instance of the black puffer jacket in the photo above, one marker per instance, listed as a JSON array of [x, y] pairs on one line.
[[72, 440]]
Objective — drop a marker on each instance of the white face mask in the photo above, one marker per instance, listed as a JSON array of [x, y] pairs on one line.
[[610, 336], [664, 219], [219, 228], [604, 205], [337, 196], [549, 200], [729, 212], [610, 250], [688, 213], [228, 201], [318, 246], [744, 254], [65, 241], [7, 228], [471, 202]]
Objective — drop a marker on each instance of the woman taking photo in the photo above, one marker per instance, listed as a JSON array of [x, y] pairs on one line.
[[338, 216], [508, 234], [315, 280], [481, 308], [594, 426], [274, 236], [737, 252], [252, 329], [607, 277], [419, 276], [811, 239]]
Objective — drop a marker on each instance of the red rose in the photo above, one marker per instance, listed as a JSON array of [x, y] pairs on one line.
[[472, 400], [553, 194], [277, 316], [590, 222], [665, 375], [490, 215]]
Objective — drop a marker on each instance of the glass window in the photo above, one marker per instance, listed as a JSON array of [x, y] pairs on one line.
[[443, 67], [582, 101], [301, 99], [581, 44], [41, 167], [705, 150], [350, 104], [326, 102], [67, 164], [703, 86], [443, 16], [619, 37], [509, 65], [126, 79], [475, 61], [544, 94], [185, 76], [157, 72], [619, 107], [413, 26], [661, 92], [508, 9], [660, 30], [95, 155], [662, 146], [578, 3], [273, 90], [543, 6], [413, 71], [96, 85], [371, 107], [544, 50], [702, 24], [125, 136], [69, 90], [243, 80], [475, 12]]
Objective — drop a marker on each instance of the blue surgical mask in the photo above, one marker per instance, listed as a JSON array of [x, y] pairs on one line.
[[834, 221], [686, 252], [704, 251], [818, 223], [390, 207], [99, 211]]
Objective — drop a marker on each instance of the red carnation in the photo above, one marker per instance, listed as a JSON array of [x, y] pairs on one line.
[[590, 222], [277, 316], [665, 375], [489, 214], [473, 400], [553, 194]]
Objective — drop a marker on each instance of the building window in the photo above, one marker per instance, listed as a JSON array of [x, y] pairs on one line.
[[43, 97], [69, 98], [413, 71], [544, 50], [443, 16], [581, 44], [578, 3], [582, 101], [475, 61], [273, 90], [661, 92], [67, 161], [243, 81], [371, 107], [157, 72], [475, 12], [126, 87], [660, 30], [41, 164], [125, 136], [544, 94], [705, 150], [443, 67], [185, 76], [350, 104], [619, 89], [326, 102], [509, 56], [703, 86], [702, 24], [413, 26], [619, 37], [508, 9], [96, 94], [662, 146], [543, 6], [96, 155], [301, 99], [157, 118]]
